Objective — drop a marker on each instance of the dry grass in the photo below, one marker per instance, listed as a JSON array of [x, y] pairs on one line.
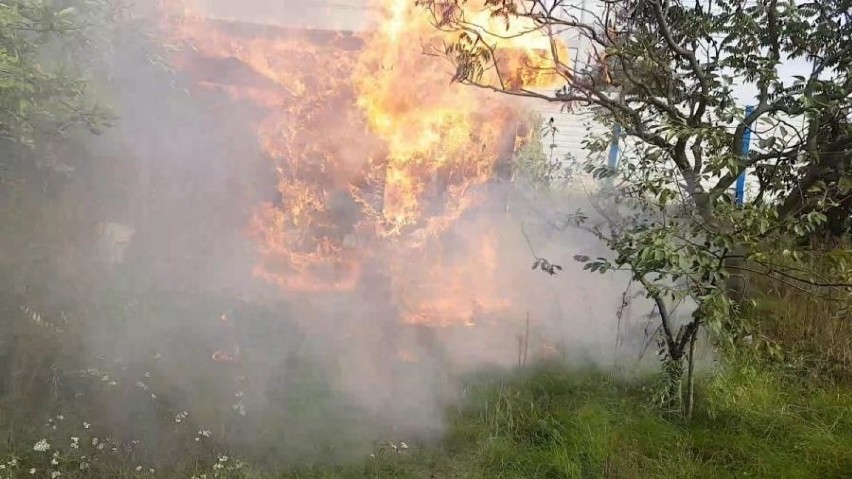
[[815, 329]]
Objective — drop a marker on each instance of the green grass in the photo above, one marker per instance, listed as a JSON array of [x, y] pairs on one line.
[[752, 421], [559, 423], [802, 328], [757, 415]]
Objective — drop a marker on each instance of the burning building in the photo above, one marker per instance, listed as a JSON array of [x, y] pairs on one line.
[[376, 154]]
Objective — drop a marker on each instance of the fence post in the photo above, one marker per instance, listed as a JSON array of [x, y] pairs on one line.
[[613, 146], [740, 188]]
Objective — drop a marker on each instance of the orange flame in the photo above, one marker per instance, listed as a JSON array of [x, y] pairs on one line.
[[374, 149]]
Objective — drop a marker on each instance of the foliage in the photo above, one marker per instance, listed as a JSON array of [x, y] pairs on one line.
[[48, 100], [804, 330], [533, 165], [757, 420], [43, 87], [665, 73], [557, 422], [173, 409]]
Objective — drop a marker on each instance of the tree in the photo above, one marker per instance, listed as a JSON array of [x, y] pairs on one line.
[[665, 73], [43, 95], [48, 53]]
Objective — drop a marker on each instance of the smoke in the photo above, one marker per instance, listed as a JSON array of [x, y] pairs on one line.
[[351, 15], [308, 376]]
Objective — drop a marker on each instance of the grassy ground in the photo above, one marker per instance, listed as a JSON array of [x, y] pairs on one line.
[[556, 423], [781, 407], [552, 422], [758, 415]]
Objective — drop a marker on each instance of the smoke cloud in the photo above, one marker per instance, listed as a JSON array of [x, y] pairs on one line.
[[305, 376]]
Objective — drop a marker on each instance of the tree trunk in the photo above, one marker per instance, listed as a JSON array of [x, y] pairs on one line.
[[690, 378], [673, 371], [735, 286]]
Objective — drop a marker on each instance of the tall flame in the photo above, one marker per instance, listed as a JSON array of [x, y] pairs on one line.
[[376, 152]]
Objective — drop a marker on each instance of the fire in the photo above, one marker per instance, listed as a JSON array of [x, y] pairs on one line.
[[442, 284], [377, 153], [526, 55]]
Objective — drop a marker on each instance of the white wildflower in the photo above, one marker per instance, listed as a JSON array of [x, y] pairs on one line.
[[84, 465], [86, 425], [95, 441], [32, 471], [75, 442], [41, 446], [403, 445], [60, 417], [54, 461], [55, 474], [138, 468]]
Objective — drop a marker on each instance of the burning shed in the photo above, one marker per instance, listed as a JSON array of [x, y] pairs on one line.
[[375, 154]]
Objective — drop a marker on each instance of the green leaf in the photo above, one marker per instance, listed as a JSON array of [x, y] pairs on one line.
[[767, 142], [845, 184], [65, 12]]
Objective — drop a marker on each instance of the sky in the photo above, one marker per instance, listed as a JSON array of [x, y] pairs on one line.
[[746, 93]]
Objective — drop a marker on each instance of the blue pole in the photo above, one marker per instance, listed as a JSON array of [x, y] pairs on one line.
[[740, 191], [613, 146]]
